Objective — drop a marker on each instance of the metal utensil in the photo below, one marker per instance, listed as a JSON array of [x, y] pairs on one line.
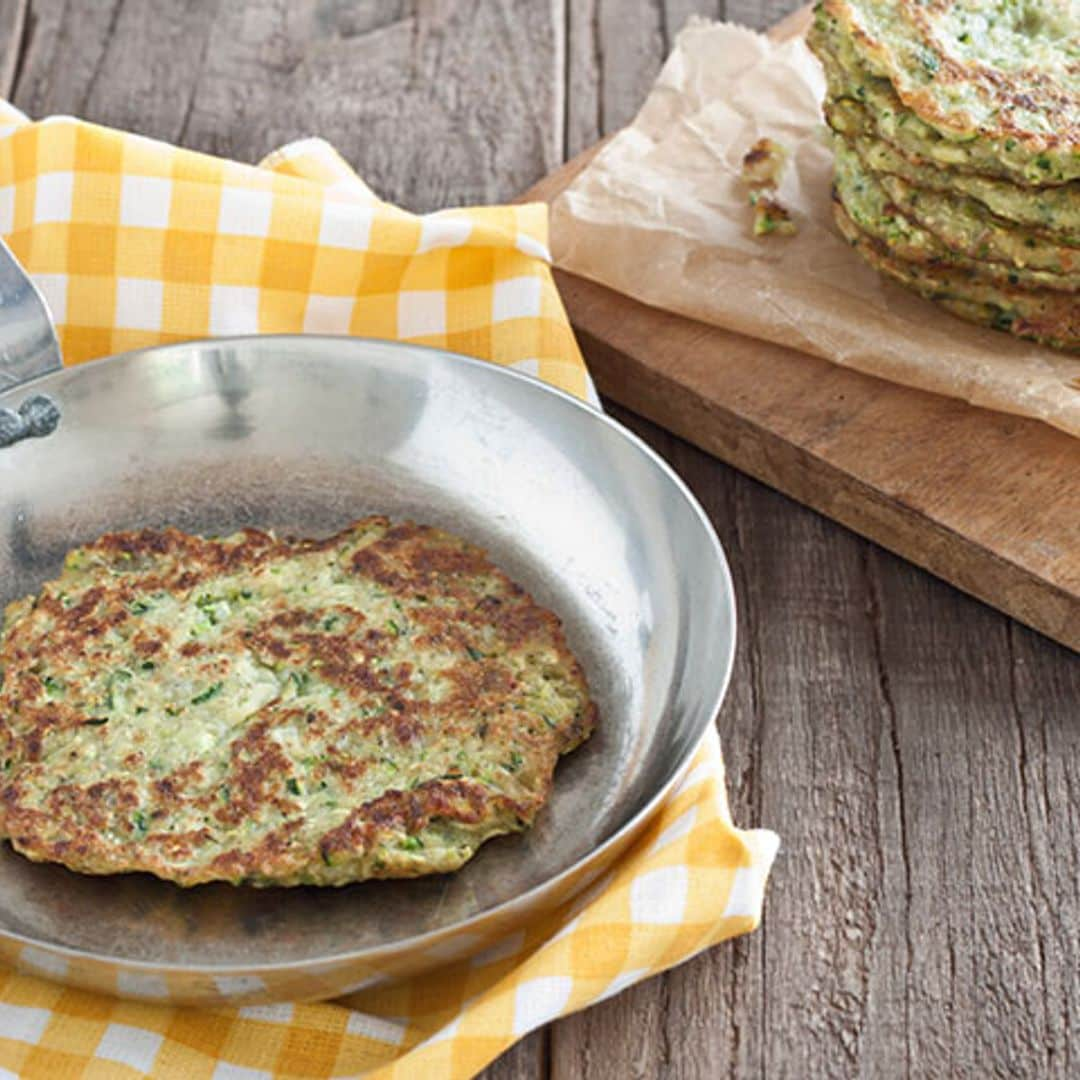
[[28, 348], [306, 434]]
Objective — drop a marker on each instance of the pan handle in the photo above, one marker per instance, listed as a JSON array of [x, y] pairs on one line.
[[28, 348]]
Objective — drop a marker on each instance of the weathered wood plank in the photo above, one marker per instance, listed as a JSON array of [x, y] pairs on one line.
[[614, 50], [436, 102], [759, 14], [133, 65], [967, 718], [820, 705], [525, 1060], [1045, 682], [12, 28]]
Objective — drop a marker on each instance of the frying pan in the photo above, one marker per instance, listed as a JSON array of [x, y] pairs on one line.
[[305, 434]]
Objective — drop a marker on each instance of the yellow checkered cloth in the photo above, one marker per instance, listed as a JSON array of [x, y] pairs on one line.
[[134, 243]]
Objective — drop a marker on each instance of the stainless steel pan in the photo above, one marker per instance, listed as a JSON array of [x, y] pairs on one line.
[[305, 434]]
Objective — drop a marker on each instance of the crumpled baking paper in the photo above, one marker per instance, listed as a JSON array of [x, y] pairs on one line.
[[661, 214]]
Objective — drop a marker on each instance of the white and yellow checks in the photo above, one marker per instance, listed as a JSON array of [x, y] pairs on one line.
[[134, 243]]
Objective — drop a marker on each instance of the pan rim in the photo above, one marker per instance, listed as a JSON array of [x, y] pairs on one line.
[[622, 835]]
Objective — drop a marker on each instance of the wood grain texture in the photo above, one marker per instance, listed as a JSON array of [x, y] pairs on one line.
[[614, 51], [918, 752], [12, 28], [133, 65], [525, 1060], [758, 14]]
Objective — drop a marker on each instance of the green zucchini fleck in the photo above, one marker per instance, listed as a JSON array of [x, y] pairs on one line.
[[207, 694]]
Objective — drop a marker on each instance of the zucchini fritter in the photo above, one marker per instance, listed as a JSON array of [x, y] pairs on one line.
[[989, 86], [277, 711]]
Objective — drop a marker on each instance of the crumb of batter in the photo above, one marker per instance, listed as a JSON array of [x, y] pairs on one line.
[[762, 167]]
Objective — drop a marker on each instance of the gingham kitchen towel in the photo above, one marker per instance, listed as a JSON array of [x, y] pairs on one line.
[[134, 243]]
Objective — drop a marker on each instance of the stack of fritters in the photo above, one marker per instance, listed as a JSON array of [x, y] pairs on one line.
[[957, 133]]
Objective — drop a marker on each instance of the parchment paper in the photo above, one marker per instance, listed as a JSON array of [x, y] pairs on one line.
[[661, 214]]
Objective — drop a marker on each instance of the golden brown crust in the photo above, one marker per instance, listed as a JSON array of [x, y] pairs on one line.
[[1037, 314], [963, 95]]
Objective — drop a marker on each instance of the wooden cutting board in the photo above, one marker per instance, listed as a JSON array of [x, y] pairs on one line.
[[987, 501]]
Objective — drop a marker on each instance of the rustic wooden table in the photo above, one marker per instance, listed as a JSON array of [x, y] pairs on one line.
[[918, 752]]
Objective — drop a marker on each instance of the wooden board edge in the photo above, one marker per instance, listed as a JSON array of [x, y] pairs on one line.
[[835, 493], [545, 189]]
